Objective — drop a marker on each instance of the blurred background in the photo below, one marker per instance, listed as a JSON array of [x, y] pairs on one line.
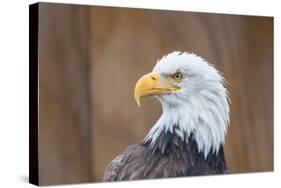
[[91, 57]]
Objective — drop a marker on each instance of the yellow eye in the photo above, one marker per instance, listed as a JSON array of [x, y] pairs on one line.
[[178, 76]]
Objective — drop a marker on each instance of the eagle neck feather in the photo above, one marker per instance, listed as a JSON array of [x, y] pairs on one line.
[[206, 117]]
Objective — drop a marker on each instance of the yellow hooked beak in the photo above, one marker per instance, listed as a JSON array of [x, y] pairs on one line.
[[153, 84]]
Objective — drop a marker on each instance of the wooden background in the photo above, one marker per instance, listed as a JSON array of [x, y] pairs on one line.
[[90, 58]]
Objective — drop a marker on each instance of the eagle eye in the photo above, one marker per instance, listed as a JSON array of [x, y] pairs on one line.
[[177, 76]]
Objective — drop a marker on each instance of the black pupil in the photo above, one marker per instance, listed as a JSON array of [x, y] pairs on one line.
[[178, 76]]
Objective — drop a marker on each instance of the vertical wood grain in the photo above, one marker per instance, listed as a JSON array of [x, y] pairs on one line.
[[63, 95]]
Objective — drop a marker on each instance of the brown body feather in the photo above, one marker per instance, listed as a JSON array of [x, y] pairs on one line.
[[168, 157]]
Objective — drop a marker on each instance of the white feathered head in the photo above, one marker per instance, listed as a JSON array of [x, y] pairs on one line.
[[193, 97]]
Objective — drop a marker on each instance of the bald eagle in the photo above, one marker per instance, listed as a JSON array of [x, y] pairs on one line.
[[189, 136]]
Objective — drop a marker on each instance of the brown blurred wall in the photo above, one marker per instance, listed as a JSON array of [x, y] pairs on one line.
[[91, 57], [64, 131]]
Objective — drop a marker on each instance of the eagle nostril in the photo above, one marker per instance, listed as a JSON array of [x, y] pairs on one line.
[[153, 78]]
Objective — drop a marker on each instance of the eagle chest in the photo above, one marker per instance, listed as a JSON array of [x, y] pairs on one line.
[[170, 157]]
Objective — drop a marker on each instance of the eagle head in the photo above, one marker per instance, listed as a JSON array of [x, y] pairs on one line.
[[193, 97]]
